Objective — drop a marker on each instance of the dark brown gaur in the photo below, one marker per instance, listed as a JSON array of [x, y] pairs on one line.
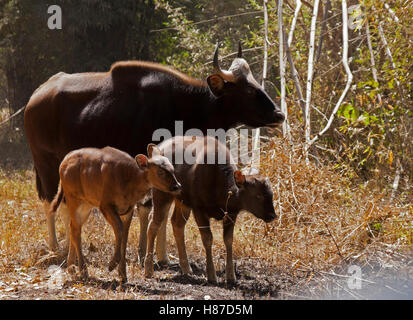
[[122, 108], [218, 191], [114, 182]]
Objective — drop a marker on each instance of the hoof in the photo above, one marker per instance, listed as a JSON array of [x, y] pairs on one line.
[[213, 280], [113, 263], [140, 261], [148, 272], [186, 270], [231, 282], [83, 275], [163, 264], [71, 269]]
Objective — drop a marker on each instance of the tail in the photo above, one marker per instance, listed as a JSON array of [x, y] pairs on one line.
[[57, 199]]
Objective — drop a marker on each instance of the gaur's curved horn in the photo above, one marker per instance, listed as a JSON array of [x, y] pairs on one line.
[[226, 75], [239, 50]]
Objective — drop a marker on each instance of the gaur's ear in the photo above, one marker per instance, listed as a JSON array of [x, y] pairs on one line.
[[142, 161], [239, 178], [216, 84], [153, 150]]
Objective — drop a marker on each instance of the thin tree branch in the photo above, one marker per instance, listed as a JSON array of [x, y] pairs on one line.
[[293, 23], [294, 74], [348, 71]]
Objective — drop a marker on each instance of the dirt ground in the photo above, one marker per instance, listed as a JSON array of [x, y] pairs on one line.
[[256, 279]]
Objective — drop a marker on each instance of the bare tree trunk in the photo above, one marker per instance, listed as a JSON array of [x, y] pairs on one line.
[[287, 44], [283, 60], [348, 71], [298, 4], [256, 138], [395, 186], [373, 63], [310, 71], [294, 74], [327, 6]]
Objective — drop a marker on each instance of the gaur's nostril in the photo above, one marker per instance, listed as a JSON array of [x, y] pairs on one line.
[[280, 115], [270, 217], [176, 187]]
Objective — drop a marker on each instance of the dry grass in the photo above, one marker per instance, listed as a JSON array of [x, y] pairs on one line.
[[323, 222], [323, 219]]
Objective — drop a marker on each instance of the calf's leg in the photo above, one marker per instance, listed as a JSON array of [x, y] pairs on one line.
[[161, 253], [81, 214], [179, 218], [228, 224], [206, 235], [114, 220], [75, 237], [126, 221], [161, 205]]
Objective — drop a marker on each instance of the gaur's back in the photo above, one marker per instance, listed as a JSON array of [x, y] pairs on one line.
[[85, 173], [204, 185]]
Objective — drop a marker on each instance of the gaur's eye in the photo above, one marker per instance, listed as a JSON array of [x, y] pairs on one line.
[[161, 172], [250, 91], [260, 197]]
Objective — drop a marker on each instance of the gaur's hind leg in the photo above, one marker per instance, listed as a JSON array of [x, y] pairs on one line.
[[143, 211], [47, 181]]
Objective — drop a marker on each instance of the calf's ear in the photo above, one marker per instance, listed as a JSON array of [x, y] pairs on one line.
[[239, 178], [142, 161], [153, 150], [216, 84]]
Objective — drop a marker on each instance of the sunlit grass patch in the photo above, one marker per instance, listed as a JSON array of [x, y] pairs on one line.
[[20, 218]]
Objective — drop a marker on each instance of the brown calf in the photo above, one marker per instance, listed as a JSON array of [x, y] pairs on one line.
[[218, 191], [114, 182]]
